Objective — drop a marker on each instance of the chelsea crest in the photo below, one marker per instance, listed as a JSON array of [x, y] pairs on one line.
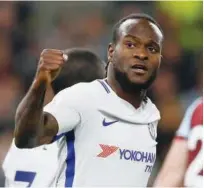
[[152, 130]]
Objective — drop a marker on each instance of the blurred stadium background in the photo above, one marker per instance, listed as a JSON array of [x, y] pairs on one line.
[[28, 27]]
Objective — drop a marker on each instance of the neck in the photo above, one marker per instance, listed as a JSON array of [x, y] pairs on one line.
[[133, 98]]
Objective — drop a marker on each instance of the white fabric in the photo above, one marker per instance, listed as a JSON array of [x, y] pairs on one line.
[[184, 128], [36, 167], [119, 154]]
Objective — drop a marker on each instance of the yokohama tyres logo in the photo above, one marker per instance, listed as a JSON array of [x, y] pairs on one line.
[[146, 157], [107, 150]]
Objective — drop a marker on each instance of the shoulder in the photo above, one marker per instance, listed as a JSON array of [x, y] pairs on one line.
[[190, 117], [13, 151], [194, 109], [78, 90], [76, 95], [197, 113]]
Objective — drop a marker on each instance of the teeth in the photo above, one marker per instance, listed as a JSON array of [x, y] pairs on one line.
[[139, 67]]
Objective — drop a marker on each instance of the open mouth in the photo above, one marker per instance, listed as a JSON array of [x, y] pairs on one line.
[[139, 68]]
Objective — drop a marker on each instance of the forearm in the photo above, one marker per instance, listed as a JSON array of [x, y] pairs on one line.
[[32, 129], [29, 116], [174, 167], [170, 178]]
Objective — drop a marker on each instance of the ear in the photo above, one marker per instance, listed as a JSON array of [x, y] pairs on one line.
[[111, 48]]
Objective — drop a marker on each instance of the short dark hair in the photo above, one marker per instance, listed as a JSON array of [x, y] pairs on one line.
[[132, 16], [82, 66]]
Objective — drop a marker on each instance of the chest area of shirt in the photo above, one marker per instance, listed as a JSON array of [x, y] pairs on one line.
[[115, 139], [112, 129]]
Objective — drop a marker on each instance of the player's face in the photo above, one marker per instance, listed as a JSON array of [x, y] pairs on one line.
[[137, 54]]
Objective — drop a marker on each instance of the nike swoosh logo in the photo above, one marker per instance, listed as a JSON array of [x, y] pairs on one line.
[[105, 123]]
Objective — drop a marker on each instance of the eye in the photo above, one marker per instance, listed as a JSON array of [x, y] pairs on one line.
[[130, 44], [152, 49]]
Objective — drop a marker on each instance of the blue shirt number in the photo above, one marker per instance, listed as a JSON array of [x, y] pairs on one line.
[[25, 176]]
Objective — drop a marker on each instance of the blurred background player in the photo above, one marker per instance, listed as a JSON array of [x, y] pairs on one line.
[[37, 167], [183, 165], [28, 27]]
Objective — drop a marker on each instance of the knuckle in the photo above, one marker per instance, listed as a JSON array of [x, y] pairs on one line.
[[59, 51], [61, 59], [43, 52]]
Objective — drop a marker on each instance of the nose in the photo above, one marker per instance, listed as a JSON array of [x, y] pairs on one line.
[[141, 54]]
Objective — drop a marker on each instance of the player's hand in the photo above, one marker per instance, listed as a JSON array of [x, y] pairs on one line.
[[50, 64]]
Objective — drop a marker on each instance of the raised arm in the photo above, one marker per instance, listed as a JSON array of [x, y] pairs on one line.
[[32, 126]]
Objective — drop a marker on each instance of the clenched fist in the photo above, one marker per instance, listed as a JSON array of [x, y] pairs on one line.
[[50, 64]]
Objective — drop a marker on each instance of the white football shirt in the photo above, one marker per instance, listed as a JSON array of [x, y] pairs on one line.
[[105, 140], [185, 126], [31, 167]]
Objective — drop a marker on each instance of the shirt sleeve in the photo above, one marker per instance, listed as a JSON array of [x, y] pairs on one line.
[[184, 129], [185, 125], [62, 108]]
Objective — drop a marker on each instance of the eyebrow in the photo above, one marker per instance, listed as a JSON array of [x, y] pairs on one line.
[[136, 38]]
